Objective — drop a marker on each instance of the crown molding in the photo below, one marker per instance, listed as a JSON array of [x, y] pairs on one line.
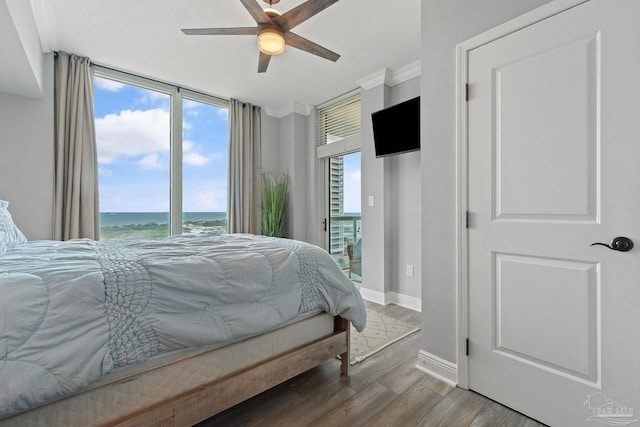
[[390, 77], [375, 79], [285, 110], [384, 76], [406, 73]]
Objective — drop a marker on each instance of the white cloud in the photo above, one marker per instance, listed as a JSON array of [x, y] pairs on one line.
[[152, 161], [145, 135], [153, 97], [195, 159], [104, 172], [205, 196], [191, 157], [132, 133], [108, 85], [191, 107], [187, 146]]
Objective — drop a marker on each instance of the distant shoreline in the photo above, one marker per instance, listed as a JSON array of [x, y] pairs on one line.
[[140, 218], [149, 225], [108, 219]]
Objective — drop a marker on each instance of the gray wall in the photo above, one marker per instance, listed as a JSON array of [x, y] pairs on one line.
[[405, 209], [375, 183], [293, 157], [287, 146], [270, 141], [391, 228], [444, 25], [26, 157]]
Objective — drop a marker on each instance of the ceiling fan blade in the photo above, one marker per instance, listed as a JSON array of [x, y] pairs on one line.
[[301, 43], [256, 11], [299, 14], [263, 62], [252, 31]]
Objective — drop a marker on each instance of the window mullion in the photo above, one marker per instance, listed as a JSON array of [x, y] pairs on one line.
[[176, 163]]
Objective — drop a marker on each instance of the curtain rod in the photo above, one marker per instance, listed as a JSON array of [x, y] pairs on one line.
[[104, 67]]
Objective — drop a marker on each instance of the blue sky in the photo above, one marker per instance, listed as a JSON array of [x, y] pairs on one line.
[[352, 183], [133, 134]]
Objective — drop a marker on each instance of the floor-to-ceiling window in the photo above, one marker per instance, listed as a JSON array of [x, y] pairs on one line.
[[162, 158], [338, 136], [205, 159]]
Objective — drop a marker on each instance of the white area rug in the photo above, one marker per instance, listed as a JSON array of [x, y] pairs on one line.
[[380, 332]]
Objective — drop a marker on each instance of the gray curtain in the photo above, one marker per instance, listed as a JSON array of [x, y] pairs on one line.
[[244, 168], [76, 212]]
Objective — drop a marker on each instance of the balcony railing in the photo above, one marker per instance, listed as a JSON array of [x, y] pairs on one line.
[[345, 242]]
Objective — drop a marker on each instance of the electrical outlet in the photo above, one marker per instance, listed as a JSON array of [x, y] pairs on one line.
[[409, 270], [372, 201]]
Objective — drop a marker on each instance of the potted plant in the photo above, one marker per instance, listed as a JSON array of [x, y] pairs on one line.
[[274, 191]]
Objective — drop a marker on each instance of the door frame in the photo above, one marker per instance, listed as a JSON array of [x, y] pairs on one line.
[[462, 191]]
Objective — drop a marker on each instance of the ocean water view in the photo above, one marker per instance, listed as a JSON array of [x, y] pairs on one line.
[[133, 225]]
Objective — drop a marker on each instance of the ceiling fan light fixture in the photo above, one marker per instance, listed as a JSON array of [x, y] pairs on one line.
[[271, 41]]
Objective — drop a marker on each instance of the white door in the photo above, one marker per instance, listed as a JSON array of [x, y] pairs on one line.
[[553, 166]]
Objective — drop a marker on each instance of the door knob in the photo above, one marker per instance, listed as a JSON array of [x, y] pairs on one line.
[[620, 244]]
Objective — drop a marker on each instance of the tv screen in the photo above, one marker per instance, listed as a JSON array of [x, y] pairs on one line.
[[397, 129]]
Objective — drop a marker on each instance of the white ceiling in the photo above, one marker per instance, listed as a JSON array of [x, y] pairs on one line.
[[144, 37]]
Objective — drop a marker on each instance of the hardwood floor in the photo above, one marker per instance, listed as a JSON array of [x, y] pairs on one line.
[[383, 390]]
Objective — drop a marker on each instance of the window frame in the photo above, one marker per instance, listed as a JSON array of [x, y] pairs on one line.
[[325, 150], [177, 94]]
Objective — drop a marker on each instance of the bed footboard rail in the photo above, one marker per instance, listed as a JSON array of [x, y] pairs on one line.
[[197, 405]]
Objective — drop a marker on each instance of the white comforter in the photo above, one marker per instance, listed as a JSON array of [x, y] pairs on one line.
[[70, 312]]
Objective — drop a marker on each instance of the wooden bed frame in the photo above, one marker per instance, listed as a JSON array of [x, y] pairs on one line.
[[205, 401]]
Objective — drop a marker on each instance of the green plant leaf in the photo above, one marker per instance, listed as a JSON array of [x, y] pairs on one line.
[[274, 193]]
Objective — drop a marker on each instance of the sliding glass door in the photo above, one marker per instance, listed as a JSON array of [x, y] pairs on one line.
[[345, 217], [338, 147]]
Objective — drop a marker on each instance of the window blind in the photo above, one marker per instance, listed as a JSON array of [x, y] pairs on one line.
[[338, 126]]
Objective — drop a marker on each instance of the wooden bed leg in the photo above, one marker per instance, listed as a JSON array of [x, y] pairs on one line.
[[343, 325]]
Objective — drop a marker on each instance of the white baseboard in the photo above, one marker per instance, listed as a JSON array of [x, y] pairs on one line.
[[405, 301], [438, 368], [385, 298], [373, 296]]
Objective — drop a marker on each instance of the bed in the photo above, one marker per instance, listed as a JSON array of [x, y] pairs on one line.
[[161, 332]]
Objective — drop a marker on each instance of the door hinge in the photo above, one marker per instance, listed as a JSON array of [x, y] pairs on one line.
[[467, 349], [466, 91], [466, 219]]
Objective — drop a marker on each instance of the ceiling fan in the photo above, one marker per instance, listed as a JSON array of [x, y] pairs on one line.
[[274, 29]]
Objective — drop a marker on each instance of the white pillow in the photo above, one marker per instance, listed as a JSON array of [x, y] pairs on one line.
[[10, 234]]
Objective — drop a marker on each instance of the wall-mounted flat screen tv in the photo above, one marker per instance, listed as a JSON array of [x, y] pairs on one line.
[[396, 129]]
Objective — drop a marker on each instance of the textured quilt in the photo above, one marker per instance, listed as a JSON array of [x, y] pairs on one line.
[[71, 312]]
